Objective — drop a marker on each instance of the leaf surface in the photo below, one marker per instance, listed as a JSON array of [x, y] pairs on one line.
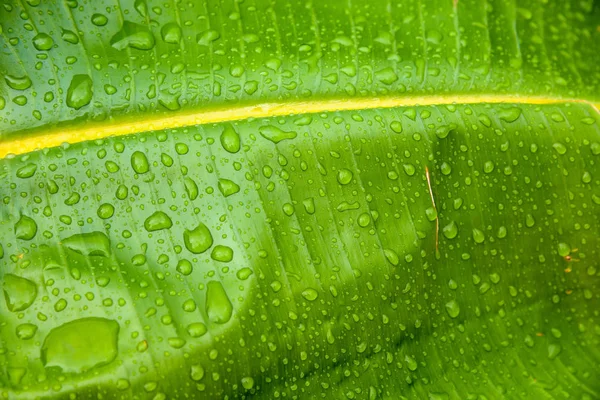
[[370, 200]]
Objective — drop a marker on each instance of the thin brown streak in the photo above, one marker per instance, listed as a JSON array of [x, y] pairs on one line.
[[437, 220]]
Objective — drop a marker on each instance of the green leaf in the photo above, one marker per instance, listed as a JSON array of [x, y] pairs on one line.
[[365, 200]]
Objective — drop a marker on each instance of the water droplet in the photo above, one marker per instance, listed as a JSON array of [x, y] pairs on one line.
[[247, 382], [450, 230], [275, 135], [391, 256], [554, 350], [196, 329], [509, 114], [133, 35], [344, 176], [386, 76], [396, 126], [446, 168], [189, 305], [230, 139], [43, 42], [560, 148], [197, 372], [452, 308], [139, 162], [26, 171], [81, 345], [106, 211], [244, 274], [218, 305], [207, 37], [478, 236], [564, 249], [158, 221], [228, 187], [310, 294], [26, 331], [191, 188], [529, 220], [19, 293], [410, 363], [409, 169], [363, 220], [99, 19], [184, 267], [171, 33], [70, 36], [25, 228], [89, 244], [222, 253], [80, 91], [18, 82], [198, 240]]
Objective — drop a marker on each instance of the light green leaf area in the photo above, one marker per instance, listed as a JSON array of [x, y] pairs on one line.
[[437, 251]]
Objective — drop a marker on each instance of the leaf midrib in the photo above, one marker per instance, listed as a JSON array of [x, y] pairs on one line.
[[53, 137]]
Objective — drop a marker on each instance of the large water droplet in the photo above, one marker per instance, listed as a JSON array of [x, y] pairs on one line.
[[171, 33], [139, 162], [25, 228], [230, 139], [222, 253], [26, 331], [43, 42], [89, 244], [158, 221], [310, 294], [227, 187], [274, 134], [133, 35], [198, 240], [80, 345], [26, 171], [450, 230], [218, 305], [18, 82], [509, 114], [344, 176], [19, 293], [80, 91], [452, 308]]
